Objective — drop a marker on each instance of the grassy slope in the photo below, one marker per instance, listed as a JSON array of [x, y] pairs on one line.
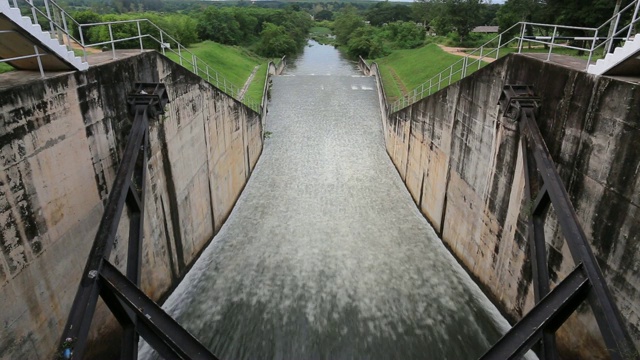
[[319, 30], [234, 63], [414, 67], [257, 85]]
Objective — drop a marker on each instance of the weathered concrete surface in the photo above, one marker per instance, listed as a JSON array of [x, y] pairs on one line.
[[462, 163], [60, 143]]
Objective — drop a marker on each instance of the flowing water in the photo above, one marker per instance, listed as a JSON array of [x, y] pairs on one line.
[[325, 255]]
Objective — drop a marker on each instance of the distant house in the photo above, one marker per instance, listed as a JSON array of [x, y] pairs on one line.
[[485, 29]]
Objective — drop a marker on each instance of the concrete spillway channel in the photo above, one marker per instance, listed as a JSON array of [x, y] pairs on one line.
[[325, 255]]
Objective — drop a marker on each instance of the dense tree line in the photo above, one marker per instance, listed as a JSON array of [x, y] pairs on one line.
[[276, 32], [586, 13], [270, 32], [371, 29], [393, 32]]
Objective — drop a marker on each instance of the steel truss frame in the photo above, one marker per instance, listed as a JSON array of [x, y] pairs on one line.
[[585, 283], [137, 314]]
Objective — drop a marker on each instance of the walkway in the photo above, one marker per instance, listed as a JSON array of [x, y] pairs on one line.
[[461, 52], [325, 255]]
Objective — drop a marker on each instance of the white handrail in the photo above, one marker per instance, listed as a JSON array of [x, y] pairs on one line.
[[624, 33], [199, 67]]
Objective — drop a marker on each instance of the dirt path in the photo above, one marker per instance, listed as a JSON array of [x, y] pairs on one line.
[[403, 89], [460, 52], [248, 82]]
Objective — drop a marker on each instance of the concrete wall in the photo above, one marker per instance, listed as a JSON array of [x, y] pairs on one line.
[[60, 144], [462, 163]]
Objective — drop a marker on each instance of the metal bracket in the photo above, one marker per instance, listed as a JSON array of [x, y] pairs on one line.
[[152, 96], [514, 98]]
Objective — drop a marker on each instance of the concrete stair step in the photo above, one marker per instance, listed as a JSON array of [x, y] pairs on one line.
[[43, 39]]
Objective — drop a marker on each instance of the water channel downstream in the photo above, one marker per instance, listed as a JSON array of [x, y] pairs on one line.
[[325, 255]]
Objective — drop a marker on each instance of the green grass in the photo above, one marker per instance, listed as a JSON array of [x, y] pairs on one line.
[[319, 30], [255, 90], [414, 67], [5, 68], [232, 62]]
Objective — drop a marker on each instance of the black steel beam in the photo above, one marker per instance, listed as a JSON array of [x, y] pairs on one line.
[[181, 343], [127, 320], [552, 311], [130, 337], [542, 201], [609, 320], [537, 250], [84, 304]]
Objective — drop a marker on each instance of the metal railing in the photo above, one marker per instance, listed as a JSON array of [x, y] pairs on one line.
[[61, 24], [164, 41], [36, 54], [553, 36]]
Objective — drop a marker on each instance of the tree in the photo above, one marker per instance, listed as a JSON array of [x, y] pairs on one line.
[[514, 11], [275, 42], [384, 13], [423, 11], [587, 13], [84, 17], [364, 42], [406, 35], [220, 26], [324, 15], [459, 15], [346, 23]]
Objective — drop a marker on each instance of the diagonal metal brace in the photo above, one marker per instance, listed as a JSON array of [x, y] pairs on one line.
[[547, 315], [146, 311]]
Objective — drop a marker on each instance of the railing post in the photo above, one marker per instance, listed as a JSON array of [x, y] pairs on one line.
[[35, 48], [162, 42], [450, 74], [217, 81], [593, 45], [524, 26], [84, 49], [179, 54], [634, 18], [615, 29], [15, 4], [499, 45], [46, 6], [439, 80], [464, 67], [194, 60], [553, 38], [480, 59], [113, 45], [140, 36], [33, 11], [66, 29], [430, 85], [422, 90], [208, 73]]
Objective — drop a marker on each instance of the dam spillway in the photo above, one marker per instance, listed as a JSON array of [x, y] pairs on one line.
[[325, 255]]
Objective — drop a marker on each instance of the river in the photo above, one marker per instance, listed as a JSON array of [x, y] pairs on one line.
[[325, 255]]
